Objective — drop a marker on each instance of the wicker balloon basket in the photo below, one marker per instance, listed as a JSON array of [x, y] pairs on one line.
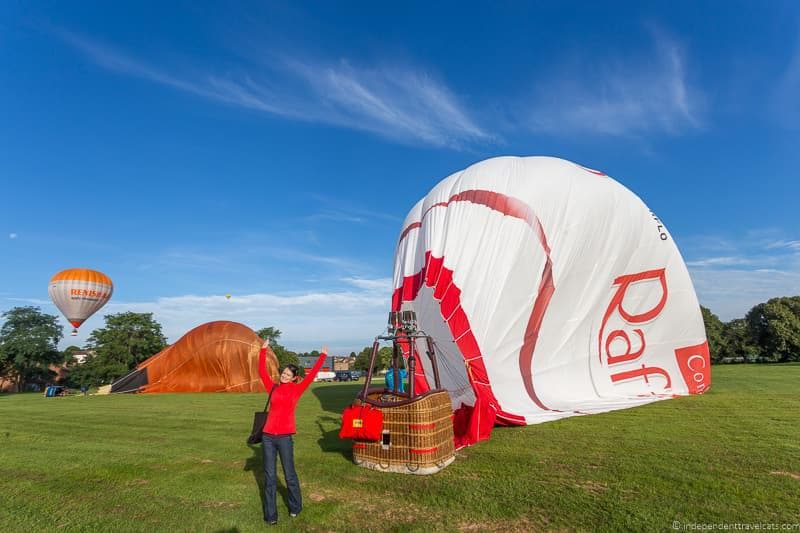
[[417, 434]]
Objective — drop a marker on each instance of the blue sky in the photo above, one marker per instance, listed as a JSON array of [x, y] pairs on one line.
[[270, 150]]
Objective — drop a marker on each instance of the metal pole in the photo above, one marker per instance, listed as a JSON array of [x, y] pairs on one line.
[[371, 368], [411, 366], [395, 373], [432, 356]]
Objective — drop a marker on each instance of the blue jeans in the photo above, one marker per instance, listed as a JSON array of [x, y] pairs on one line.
[[271, 447]]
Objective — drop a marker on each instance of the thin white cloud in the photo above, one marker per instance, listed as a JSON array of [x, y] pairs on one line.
[[31, 301], [335, 217], [785, 105], [114, 61], [297, 255], [731, 293], [740, 261], [718, 261], [378, 215], [346, 320], [792, 245], [241, 256], [185, 258], [341, 205], [12, 236], [399, 103], [381, 285], [621, 97], [413, 103], [761, 266]]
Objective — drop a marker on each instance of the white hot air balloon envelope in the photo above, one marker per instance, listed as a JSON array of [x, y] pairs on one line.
[[551, 291], [79, 293]]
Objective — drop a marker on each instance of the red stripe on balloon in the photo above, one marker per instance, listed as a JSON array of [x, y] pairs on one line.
[[516, 208], [467, 343]]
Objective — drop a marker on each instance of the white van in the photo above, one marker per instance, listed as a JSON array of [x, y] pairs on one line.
[[325, 376]]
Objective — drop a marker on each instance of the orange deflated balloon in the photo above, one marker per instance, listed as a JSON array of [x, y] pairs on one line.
[[79, 293], [217, 356]]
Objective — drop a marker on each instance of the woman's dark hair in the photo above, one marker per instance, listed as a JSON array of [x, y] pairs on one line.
[[293, 368]]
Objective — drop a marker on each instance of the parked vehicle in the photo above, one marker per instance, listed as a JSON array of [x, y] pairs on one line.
[[325, 376], [346, 375]]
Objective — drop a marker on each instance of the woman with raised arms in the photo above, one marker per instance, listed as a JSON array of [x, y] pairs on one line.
[[276, 438]]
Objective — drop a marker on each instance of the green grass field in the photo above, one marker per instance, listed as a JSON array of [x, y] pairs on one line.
[[179, 463]]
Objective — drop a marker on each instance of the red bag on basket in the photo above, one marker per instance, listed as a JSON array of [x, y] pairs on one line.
[[361, 422]]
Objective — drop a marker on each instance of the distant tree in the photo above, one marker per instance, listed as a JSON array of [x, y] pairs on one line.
[[284, 356], [362, 359], [714, 327], [737, 341], [82, 375], [382, 362], [384, 358], [774, 326], [126, 340], [5, 365], [271, 333], [28, 344], [5, 370], [69, 353]]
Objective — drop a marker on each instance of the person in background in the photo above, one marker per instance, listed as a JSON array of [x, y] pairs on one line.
[[402, 374], [276, 438]]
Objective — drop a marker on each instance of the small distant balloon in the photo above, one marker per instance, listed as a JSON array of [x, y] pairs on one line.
[[227, 296]]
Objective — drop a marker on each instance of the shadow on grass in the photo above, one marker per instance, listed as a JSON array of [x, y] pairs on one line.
[[255, 464], [329, 440], [334, 399]]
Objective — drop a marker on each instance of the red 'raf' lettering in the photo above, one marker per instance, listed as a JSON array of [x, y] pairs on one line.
[[616, 306]]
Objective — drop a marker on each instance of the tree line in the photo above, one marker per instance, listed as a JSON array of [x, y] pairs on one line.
[[769, 333]]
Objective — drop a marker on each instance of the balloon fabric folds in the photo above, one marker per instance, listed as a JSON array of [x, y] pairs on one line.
[[551, 291], [217, 356], [79, 293]]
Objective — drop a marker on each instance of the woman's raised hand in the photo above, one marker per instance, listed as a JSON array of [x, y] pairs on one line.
[[266, 344], [324, 349]]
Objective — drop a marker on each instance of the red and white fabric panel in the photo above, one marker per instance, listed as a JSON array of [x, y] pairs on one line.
[[550, 290]]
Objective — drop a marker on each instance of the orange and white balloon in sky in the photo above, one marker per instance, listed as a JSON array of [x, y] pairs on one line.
[[79, 293]]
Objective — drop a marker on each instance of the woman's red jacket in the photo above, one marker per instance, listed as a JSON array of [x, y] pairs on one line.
[[280, 420]]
